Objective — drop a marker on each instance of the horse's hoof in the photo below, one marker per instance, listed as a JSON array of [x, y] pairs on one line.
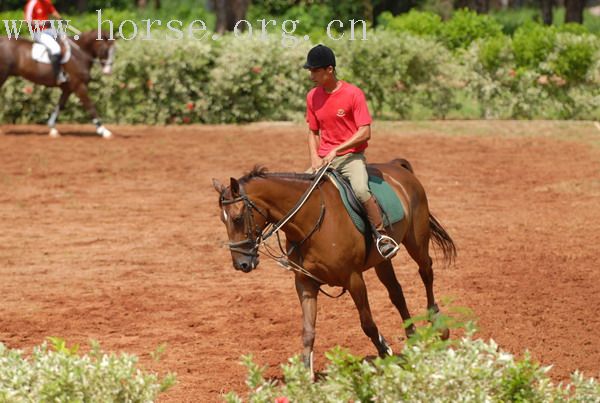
[[54, 133], [104, 132]]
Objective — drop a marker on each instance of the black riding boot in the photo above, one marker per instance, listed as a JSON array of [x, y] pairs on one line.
[[56, 69], [386, 245]]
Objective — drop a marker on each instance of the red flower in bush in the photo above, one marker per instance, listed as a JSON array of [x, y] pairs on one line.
[[190, 106], [149, 84], [256, 69], [186, 119], [282, 399], [512, 73], [28, 90]]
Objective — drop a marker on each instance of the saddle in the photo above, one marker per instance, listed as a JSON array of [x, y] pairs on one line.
[[392, 209], [39, 53]]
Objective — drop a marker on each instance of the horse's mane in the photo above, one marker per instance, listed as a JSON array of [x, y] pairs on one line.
[[260, 171]]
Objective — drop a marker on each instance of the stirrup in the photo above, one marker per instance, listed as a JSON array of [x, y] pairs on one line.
[[387, 239]]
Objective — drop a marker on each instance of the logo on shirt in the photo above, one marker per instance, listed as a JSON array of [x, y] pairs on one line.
[[341, 112]]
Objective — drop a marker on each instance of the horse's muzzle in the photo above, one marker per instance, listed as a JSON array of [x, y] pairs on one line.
[[246, 263]]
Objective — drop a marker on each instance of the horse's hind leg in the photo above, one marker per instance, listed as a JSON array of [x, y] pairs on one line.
[[307, 291], [358, 291], [417, 245], [385, 273], [3, 77]]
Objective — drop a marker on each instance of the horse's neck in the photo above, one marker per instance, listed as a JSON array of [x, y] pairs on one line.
[[83, 46], [279, 195]]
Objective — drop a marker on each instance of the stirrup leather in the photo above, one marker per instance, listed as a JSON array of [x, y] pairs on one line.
[[386, 239]]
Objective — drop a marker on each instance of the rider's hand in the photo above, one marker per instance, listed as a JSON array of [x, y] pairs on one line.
[[329, 157], [316, 164]]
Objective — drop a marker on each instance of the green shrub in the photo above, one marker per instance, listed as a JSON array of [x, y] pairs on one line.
[[427, 370], [573, 56], [495, 52], [255, 80], [403, 76], [512, 19], [61, 375], [532, 43], [414, 22], [409, 72], [467, 26]]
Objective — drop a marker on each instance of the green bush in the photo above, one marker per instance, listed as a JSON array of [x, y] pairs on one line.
[[495, 53], [532, 43], [62, 375], [466, 26], [512, 19], [427, 370], [414, 22], [409, 72], [403, 76], [573, 56]]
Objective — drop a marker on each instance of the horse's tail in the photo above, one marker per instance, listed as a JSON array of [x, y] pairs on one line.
[[442, 239], [403, 163]]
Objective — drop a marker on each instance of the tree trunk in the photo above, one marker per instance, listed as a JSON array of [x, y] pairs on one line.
[[547, 12], [141, 3], [81, 5], [482, 6], [157, 4], [574, 11], [229, 12]]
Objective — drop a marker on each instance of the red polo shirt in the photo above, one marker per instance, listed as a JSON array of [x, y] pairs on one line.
[[38, 10], [337, 116]]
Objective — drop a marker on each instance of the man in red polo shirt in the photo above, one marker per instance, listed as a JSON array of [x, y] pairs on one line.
[[41, 10], [340, 128]]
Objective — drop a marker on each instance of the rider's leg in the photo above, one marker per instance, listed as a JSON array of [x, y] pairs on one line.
[[353, 166], [386, 246], [46, 38]]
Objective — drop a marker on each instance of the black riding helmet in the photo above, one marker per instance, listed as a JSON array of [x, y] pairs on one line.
[[319, 56]]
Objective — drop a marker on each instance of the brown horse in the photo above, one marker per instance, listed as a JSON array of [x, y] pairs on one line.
[[323, 244], [16, 60]]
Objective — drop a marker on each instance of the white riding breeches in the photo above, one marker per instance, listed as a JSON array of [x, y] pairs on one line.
[[46, 38]]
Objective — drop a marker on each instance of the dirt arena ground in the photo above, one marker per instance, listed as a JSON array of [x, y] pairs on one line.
[[120, 241]]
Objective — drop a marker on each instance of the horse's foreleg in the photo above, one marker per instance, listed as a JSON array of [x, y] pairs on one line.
[[307, 291], [358, 291], [82, 93], [53, 118], [385, 273]]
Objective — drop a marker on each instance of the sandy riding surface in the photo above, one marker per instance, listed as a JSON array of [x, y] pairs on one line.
[[120, 241]]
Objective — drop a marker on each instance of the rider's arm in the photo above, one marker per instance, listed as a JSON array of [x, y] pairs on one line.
[[362, 135], [313, 147]]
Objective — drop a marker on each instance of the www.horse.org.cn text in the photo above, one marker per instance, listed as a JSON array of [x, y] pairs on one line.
[[197, 30]]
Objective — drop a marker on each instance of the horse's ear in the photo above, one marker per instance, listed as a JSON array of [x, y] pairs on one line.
[[235, 187], [218, 186]]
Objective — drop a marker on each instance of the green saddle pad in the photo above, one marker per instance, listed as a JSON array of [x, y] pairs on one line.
[[386, 197]]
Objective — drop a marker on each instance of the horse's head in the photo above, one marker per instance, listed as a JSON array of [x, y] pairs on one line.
[[105, 52], [101, 47], [244, 221]]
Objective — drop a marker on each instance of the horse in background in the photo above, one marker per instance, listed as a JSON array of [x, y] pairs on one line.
[[16, 60]]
